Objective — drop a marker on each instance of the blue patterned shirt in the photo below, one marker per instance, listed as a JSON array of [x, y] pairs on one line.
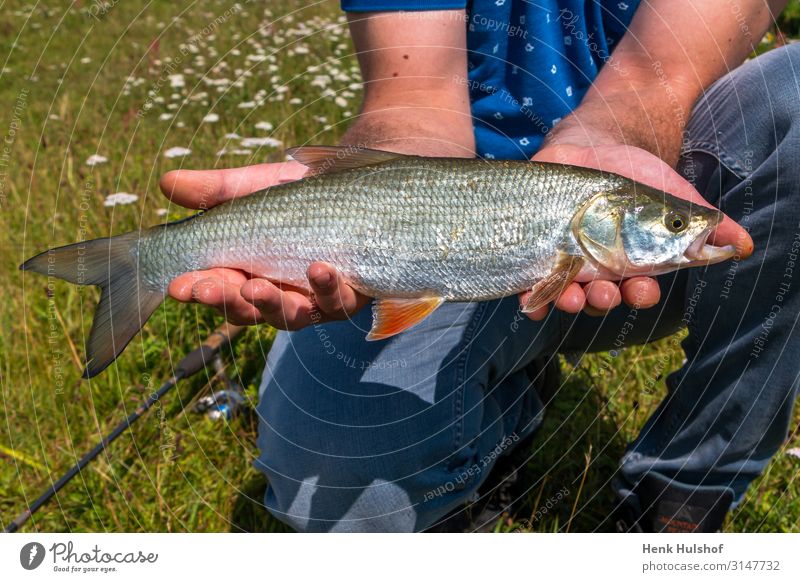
[[530, 62]]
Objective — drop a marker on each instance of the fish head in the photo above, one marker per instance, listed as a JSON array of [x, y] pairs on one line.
[[638, 230]]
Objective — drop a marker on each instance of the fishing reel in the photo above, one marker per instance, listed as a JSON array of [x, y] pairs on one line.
[[222, 404]]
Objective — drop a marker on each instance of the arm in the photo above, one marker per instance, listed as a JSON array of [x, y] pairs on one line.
[[408, 62], [411, 105], [672, 52], [632, 119]]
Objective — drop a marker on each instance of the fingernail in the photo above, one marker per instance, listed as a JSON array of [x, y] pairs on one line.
[[323, 280]]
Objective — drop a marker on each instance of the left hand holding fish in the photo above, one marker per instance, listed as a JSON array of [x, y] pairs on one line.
[[242, 298]]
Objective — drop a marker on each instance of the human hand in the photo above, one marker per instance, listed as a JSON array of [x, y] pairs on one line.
[[597, 297], [242, 298]]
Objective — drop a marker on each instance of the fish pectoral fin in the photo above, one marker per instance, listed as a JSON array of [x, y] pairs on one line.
[[548, 289], [392, 315], [327, 159]]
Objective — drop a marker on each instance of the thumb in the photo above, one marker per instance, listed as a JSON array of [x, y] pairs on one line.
[[207, 188]]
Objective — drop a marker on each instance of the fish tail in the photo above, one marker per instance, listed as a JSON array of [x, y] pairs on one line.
[[126, 302]]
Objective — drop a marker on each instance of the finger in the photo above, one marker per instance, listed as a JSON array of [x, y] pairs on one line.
[[207, 188], [602, 295], [334, 297], [180, 288], [730, 233], [281, 309], [225, 297], [640, 292], [571, 300], [537, 315]]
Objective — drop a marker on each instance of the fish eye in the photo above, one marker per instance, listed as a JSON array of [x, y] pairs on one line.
[[675, 222]]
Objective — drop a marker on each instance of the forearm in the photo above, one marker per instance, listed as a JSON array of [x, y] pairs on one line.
[[673, 51], [411, 102]]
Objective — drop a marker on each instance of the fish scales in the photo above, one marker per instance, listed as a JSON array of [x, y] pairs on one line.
[[461, 229]]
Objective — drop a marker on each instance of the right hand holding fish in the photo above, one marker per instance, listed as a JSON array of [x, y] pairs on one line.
[[241, 298]]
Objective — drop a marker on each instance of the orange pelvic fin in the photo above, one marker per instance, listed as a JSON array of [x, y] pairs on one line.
[[390, 315]]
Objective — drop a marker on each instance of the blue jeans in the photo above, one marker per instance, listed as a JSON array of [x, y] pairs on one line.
[[393, 435]]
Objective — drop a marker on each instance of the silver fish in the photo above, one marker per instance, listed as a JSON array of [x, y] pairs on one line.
[[411, 232]]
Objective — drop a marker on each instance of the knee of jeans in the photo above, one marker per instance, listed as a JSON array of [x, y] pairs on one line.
[[782, 73], [773, 80], [360, 500], [311, 507], [408, 489], [746, 115]]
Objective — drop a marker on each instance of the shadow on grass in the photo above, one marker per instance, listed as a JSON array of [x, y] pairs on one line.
[[570, 463]]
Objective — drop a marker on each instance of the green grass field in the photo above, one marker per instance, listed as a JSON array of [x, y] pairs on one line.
[[128, 81]]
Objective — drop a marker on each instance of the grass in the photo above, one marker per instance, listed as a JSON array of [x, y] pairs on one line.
[[74, 85]]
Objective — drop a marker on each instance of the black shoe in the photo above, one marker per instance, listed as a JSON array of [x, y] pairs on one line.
[[670, 508], [500, 496]]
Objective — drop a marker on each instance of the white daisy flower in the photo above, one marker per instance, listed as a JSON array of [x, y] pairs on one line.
[[268, 142], [96, 160], [177, 152], [120, 199], [177, 81], [265, 125], [211, 118]]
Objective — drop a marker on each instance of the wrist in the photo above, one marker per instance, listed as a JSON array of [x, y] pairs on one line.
[[414, 130], [630, 122], [636, 102]]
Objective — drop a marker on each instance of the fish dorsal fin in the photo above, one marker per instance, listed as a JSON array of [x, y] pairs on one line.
[[326, 159], [392, 315]]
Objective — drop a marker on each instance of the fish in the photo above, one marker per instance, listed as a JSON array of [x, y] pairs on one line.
[[411, 232]]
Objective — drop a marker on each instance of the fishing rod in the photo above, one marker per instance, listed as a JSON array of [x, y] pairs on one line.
[[192, 363]]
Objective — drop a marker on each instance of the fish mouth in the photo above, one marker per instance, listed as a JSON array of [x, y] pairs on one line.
[[702, 253]]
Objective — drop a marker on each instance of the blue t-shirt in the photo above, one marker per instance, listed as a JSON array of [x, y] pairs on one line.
[[530, 61]]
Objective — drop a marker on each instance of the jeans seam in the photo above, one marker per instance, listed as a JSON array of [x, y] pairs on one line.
[[731, 164], [465, 348]]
